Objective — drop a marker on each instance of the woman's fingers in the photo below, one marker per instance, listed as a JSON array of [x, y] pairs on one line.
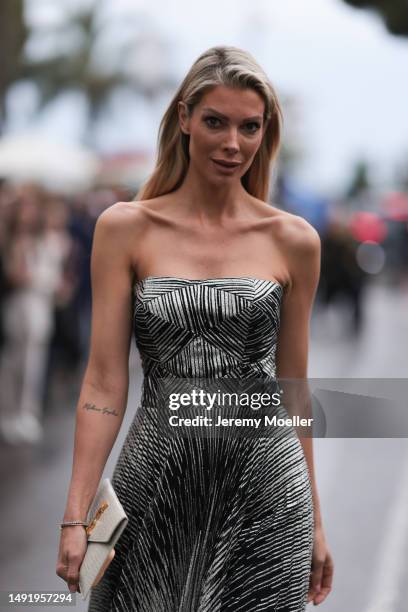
[[73, 575], [68, 570], [104, 566], [327, 580], [62, 567], [73, 547], [315, 578], [62, 571], [319, 591]]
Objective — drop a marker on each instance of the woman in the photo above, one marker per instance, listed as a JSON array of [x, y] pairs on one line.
[[34, 260], [213, 271]]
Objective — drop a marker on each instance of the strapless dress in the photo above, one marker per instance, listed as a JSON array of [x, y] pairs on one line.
[[215, 524]]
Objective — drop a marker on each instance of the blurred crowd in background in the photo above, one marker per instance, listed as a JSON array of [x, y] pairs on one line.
[[99, 81], [45, 297], [45, 284]]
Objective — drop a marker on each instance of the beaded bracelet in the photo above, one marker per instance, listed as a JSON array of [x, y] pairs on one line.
[[72, 523]]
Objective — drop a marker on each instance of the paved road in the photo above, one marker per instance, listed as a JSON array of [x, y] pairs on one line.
[[363, 483]]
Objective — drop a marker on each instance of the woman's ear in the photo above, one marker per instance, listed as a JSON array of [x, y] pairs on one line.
[[183, 117]]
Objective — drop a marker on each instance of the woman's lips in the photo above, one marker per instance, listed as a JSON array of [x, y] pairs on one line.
[[226, 166]]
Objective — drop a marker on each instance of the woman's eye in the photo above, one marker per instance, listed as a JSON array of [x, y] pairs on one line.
[[255, 126], [212, 121]]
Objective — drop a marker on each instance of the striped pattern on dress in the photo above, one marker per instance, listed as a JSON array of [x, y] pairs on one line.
[[215, 524]]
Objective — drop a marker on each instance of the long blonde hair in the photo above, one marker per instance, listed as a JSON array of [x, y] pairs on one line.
[[220, 65]]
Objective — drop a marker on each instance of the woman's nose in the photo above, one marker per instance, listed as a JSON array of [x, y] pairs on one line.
[[231, 141]]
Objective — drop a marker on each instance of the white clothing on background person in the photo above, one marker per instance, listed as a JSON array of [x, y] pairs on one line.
[[28, 315]]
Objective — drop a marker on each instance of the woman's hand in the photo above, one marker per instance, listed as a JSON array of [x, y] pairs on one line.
[[73, 545], [321, 576]]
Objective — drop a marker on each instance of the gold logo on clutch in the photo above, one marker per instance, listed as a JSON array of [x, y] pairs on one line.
[[97, 516]]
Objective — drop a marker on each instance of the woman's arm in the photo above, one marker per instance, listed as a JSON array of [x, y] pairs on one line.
[[302, 248], [303, 251], [103, 397]]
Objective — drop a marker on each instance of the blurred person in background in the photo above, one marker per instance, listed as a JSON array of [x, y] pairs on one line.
[[64, 354], [84, 210], [81, 227], [8, 197], [341, 276], [3, 282], [33, 254]]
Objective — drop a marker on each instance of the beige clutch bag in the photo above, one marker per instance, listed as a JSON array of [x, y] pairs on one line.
[[106, 521]]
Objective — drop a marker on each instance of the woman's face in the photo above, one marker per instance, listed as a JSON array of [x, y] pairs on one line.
[[28, 215], [225, 126]]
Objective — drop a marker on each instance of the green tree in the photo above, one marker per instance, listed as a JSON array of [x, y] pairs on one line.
[[70, 66], [360, 180], [13, 36], [393, 12], [73, 62]]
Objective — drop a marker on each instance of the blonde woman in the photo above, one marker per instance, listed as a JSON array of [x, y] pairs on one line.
[[205, 273]]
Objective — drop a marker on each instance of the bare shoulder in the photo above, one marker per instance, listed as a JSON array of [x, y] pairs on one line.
[[296, 234], [118, 231], [300, 244], [290, 230], [123, 216]]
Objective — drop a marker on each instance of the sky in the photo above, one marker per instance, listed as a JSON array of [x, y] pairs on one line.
[[345, 72]]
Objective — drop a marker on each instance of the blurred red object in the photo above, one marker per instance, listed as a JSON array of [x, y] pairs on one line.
[[367, 226], [395, 206]]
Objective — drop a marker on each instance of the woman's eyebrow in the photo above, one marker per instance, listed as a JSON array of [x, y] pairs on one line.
[[212, 110]]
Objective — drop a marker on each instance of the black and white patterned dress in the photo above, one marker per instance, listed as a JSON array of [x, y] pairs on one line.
[[215, 525]]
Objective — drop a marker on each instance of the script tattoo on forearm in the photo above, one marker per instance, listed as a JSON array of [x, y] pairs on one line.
[[106, 410]]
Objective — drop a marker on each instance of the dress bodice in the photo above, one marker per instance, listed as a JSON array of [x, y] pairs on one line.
[[218, 327]]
